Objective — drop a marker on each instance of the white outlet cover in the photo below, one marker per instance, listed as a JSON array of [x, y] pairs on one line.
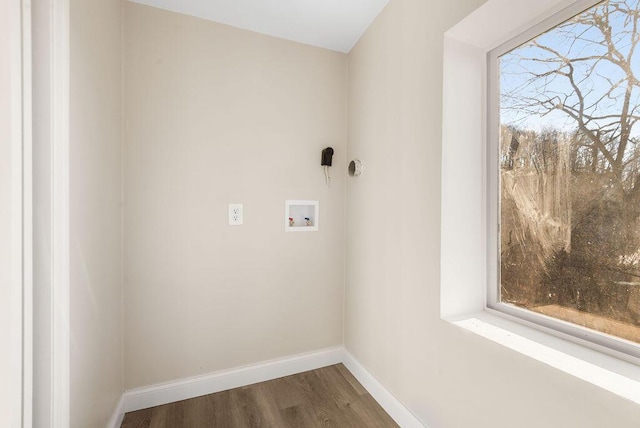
[[235, 215]]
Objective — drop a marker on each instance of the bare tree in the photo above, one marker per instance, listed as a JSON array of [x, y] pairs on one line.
[[584, 73], [570, 196]]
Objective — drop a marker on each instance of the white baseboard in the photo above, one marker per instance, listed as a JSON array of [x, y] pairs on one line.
[[387, 401], [118, 414], [156, 395]]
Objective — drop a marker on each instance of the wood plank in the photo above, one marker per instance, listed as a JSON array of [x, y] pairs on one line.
[[285, 392], [137, 419], [265, 400], [322, 399], [342, 392], [298, 417], [357, 386], [371, 413], [221, 405], [198, 413], [169, 415], [244, 409]]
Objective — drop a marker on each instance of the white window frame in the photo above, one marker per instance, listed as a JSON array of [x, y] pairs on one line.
[[602, 340], [464, 184]]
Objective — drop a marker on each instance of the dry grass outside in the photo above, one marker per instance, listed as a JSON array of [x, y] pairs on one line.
[[594, 322]]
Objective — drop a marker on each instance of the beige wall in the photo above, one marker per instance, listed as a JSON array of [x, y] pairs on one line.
[[95, 210], [216, 115], [447, 377]]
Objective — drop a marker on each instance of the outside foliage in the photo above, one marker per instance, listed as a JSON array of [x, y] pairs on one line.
[[570, 171]]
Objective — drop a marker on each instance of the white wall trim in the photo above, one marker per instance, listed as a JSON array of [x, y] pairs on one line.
[[155, 395], [118, 414], [394, 407]]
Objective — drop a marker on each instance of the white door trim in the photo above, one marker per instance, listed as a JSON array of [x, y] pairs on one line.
[[60, 213], [13, 404], [27, 217]]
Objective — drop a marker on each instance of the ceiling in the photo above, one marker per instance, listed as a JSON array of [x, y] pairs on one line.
[[330, 24]]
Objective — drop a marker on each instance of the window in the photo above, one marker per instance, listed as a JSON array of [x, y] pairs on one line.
[[564, 174]]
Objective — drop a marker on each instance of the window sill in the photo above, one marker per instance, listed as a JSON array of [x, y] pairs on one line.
[[615, 375]]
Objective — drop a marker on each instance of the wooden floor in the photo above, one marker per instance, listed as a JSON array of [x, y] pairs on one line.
[[327, 397]]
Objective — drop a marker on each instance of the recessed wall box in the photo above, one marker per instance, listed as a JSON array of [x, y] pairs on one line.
[[301, 216]]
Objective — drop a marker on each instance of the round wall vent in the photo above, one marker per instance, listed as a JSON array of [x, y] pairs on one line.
[[355, 168]]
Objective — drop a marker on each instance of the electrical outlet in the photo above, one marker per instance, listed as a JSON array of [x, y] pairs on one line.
[[235, 214]]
